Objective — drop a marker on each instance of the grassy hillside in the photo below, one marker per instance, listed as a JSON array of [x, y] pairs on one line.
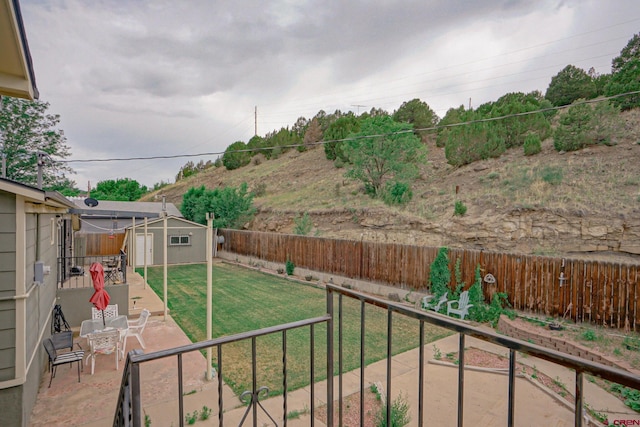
[[599, 181]]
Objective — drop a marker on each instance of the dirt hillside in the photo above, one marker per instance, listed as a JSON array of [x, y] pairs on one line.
[[580, 204]]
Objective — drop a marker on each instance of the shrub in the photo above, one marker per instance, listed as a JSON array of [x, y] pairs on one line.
[[289, 266], [397, 193], [589, 335], [399, 413], [459, 282], [472, 142], [439, 274], [460, 208], [532, 145], [303, 224], [573, 128], [551, 175]]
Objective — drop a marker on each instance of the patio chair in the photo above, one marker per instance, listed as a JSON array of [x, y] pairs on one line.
[[109, 312], [61, 333], [56, 359], [136, 327], [462, 304], [426, 304], [105, 343]]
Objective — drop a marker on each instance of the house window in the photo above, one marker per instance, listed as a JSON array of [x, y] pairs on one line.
[[181, 240]]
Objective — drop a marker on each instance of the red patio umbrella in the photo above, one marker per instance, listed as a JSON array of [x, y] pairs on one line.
[[100, 297]]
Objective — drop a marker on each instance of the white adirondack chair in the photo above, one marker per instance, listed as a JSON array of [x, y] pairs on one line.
[[462, 306], [426, 304]]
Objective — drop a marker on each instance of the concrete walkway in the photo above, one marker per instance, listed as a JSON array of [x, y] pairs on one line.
[[92, 402]]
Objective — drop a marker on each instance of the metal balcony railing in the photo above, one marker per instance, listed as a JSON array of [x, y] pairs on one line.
[[73, 272], [129, 408]]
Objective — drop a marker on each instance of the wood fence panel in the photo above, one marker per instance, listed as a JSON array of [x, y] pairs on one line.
[[600, 292], [103, 244]]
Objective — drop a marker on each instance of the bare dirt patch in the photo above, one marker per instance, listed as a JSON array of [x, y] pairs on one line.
[[351, 410]]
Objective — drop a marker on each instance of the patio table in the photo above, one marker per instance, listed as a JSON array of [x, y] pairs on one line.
[[90, 326]]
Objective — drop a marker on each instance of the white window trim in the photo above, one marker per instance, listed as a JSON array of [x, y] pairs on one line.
[[179, 237]]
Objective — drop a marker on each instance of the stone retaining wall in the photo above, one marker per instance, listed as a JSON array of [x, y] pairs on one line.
[[546, 339]]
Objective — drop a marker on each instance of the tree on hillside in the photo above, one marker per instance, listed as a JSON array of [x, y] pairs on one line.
[[256, 145], [336, 133], [419, 114], [280, 142], [381, 151], [122, 189], [236, 156], [474, 141], [232, 207], [570, 84], [453, 116], [313, 133], [514, 130], [374, 112], [626, 79], [584, 124], [629, 52], [26, 129], [300, 126]]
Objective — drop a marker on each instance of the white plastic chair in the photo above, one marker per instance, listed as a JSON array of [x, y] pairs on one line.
[[106, 343], [136, 327], [462, 304], [109, 312]]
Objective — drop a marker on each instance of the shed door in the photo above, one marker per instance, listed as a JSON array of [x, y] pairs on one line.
[[140, 252]]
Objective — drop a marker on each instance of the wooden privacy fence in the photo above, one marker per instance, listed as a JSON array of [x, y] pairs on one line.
[[101, 244], [601, 292]]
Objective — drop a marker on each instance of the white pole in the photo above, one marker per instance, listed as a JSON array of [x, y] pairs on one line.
[[133, 243], [145, 252], [165, 264], [209, 289]]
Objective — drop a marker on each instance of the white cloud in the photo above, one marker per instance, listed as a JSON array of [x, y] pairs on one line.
[[138, 78]]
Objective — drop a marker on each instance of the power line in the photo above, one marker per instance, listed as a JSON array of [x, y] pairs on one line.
[[248, 150]]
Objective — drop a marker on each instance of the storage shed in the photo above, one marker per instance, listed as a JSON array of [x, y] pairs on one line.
[[186, 242]]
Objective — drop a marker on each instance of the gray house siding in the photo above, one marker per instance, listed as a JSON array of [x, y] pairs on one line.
[[35, 302], [7, 285]]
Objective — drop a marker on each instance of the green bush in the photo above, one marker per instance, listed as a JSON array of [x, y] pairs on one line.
[[532, 145], [460, 208], [303, 224], [551, 175], [573, 128], [289, 266], [399, 413], [439, 274], [397, 193]]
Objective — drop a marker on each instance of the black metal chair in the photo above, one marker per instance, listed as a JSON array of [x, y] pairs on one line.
[[61, 333], [56, 359]]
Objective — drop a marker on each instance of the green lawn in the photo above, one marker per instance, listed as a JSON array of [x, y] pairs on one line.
[[244, 300]]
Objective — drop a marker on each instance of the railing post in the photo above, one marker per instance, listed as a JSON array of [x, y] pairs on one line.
[[461, 381], [512, 388], [579, 399], [136, 406], [329, 359]]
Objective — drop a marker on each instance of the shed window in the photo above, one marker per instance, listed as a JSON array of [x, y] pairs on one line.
[[181, 240]]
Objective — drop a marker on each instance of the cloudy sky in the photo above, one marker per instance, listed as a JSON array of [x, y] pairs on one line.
[[138, 78]]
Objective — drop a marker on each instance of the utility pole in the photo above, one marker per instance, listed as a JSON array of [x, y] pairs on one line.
[[40, 160], [469, 103], [255, 121], [358, 106]]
